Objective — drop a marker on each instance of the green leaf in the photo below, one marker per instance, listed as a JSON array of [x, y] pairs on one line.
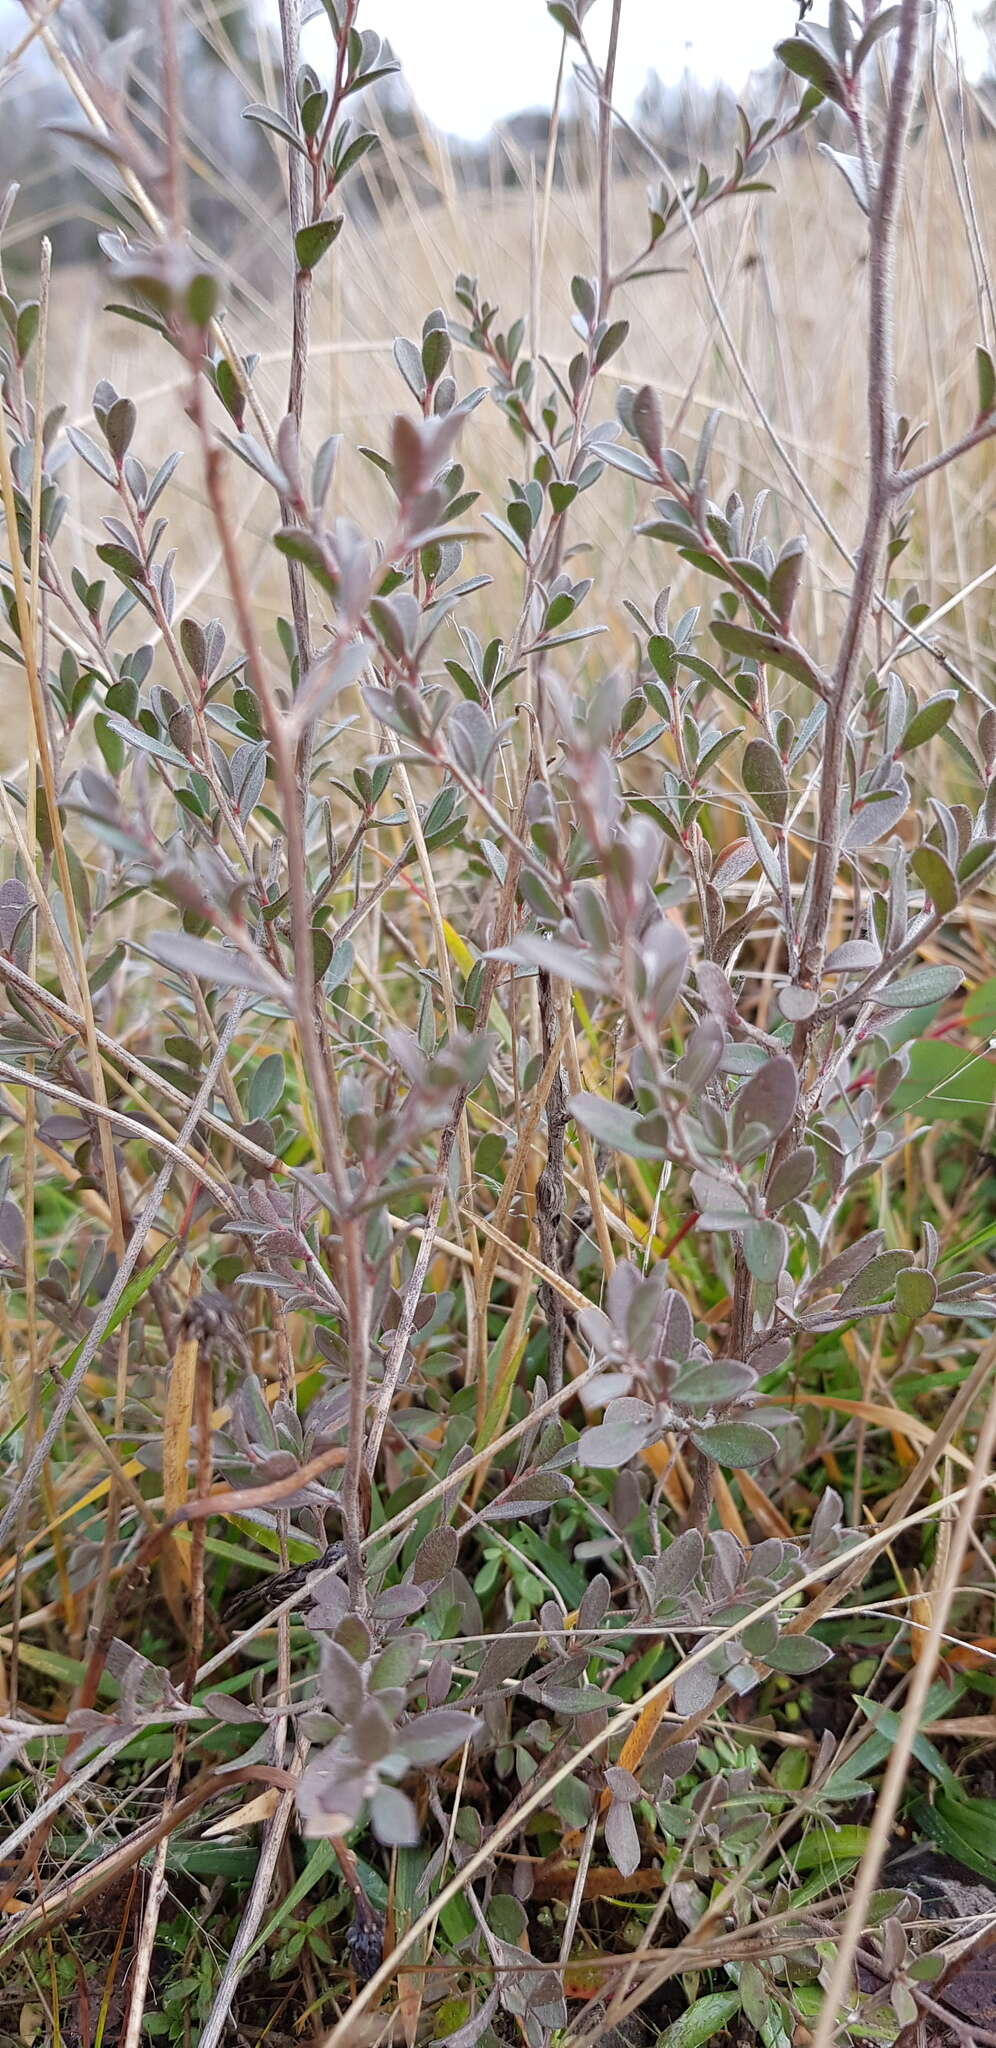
[[931, 868], [766, 647], [928, 720], [806, 61], [27, 327], [266, 1086], [880, 25], [612, 1125], [765, 779], [138, 1286], [299, 546], [765, 1250], [202, 298], [267, 117], [611, 341], [916, 1292], [121, 560], [562, 12], [925, 985], [886, 1723], [215, 964], [736, 1443], [798, 1655], [980, 1009], [946, 1083], [985, 374], [836, 1845], [111, 744], [875, 1283], [962, 1830], [703, 2021], [313, 242]]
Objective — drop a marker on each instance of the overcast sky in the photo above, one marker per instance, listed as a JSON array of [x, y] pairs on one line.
[[469, 62]]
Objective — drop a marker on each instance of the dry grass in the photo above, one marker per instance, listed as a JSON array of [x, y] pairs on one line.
[[789, 269]]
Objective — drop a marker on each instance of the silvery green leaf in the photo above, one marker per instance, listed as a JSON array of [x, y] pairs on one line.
[[761, 1635], [765, 1250], [340, 1681], [839, 1270], [567, 1699], [736, 1443], [768, 1098], [504, 1658], [330, 1793], [268, 117], [612, 1125], [765, 780], [714, 1382], [434, 1736], [531, 1495], [621, 1838], [926, 985], [393, 1818], [218, 965], [627, 1427], [371, 1733], [92, 454], [852, 955], [797, 1003], [701, 1056], [874, 816], [574, 965], [852, 170], [791, 1177], [679, 1566], [916, 1292], [694, 1689], [827, 1520], [622, 1784], [875, 1283], [720, 1204], [881, 24], [398, 1661], [474, 2029], [436, 1555], [798, 1655], [409, 361], [675, 1333]]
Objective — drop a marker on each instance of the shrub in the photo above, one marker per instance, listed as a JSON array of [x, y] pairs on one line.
[[463, 1077]]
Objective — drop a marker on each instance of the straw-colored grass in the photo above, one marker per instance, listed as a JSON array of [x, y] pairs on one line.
[[788, 267]]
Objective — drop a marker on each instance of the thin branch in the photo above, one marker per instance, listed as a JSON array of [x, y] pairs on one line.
[[903, 480], [837, 1997], [126, 1267], [881, 383], [42, 1084]]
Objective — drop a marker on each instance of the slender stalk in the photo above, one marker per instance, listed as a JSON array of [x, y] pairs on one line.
[[881, 407], [290, 43], [355, 1287], [143, 1225], [833, 2015]]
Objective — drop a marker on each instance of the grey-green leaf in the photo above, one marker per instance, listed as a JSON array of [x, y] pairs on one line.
[[765, 779], [612, 1125], [736, 1443], [876, 1282], [914, 992]]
